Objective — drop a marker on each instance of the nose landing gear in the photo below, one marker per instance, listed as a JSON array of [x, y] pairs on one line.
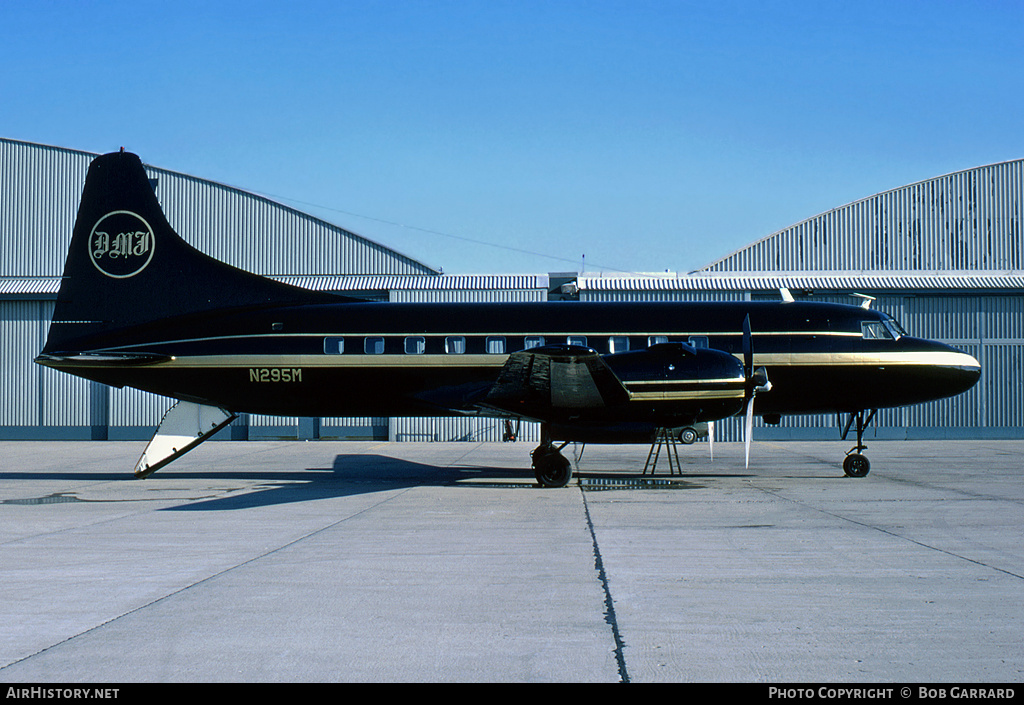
[[856, 464]]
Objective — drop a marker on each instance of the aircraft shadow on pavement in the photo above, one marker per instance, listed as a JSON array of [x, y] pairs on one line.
[[361, 474], [349, 475]]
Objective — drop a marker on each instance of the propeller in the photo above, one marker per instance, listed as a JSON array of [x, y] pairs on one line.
[[757, 381]]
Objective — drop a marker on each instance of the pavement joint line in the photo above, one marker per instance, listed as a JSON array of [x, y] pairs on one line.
[[609, 603], [475, 447], [890, 533]]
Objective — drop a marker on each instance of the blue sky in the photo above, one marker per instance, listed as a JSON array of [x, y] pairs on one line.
[[527, 137]]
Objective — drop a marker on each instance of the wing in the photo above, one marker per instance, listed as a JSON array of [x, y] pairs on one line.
[[554, 378]]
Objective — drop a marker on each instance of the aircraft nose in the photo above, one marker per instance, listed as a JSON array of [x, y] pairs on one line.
[[940, 371], [967, 373], [959, 370]]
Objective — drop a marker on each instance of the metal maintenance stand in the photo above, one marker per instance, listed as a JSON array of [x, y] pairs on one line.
[[663, 438]]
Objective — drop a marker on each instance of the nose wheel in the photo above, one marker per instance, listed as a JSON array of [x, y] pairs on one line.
[[856, 465]]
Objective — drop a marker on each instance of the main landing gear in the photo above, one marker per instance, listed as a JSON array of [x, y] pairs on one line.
[[856, 464], [551, 468]]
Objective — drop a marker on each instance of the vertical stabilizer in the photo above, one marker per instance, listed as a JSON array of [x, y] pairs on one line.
[[127, 266]]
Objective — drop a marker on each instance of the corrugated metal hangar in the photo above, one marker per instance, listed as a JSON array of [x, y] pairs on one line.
[[944, 256]]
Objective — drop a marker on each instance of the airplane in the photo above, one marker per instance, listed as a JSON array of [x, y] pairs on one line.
[[140, 307]]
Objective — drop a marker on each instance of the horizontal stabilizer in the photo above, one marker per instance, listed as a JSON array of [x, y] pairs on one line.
[[117, 359], [183, 427]]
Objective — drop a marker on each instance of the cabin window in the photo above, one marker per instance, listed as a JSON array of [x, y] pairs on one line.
[[495, 344], [874, 330], [698, 341], [534, 341], [415, 345], [334, 346], [455, 345], [618, 344], [373, 346], [580, 340], [656, 340]]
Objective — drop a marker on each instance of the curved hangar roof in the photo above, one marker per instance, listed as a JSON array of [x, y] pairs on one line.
[[971, 220], [40, 188]]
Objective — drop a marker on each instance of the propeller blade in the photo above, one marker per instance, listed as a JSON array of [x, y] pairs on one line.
[[749, 429], [748, 352], [748, 371], [711, 439], [757, 381]]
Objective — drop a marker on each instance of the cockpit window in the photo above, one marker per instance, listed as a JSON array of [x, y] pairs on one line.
[[894, 327], [874, 330]]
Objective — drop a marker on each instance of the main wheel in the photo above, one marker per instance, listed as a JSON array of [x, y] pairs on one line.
[[551, 468], [688, 436], [856, 465]]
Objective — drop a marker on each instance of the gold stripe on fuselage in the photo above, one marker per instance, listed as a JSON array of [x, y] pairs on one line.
[[691, 394], [791, 359], [927, 358], [389, 361], [646, 390]]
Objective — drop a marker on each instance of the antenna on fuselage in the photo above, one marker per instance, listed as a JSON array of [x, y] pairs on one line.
[[867, 299]]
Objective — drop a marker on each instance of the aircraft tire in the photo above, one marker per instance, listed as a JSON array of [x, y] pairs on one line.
[[551, 468], [856, 465], [688, 436]]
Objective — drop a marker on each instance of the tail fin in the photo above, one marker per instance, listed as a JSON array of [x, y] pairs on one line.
[[127, 266]]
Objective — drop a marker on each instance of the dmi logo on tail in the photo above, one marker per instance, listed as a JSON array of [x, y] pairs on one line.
[[123, 247]]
